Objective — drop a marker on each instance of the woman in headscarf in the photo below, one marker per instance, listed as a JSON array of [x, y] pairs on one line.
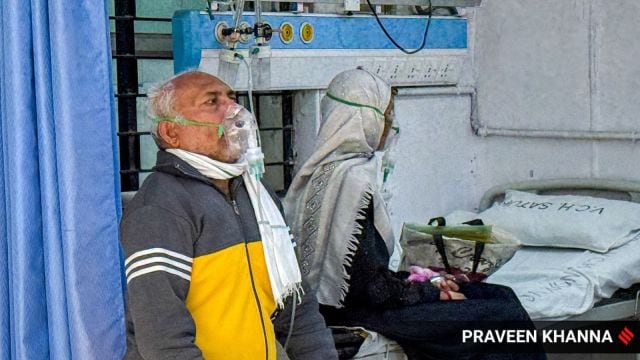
[[339, 219]]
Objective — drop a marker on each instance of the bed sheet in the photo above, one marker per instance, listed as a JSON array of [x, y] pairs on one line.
[[554, 283]]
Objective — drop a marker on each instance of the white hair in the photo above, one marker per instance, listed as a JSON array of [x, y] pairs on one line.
[[160, 104]]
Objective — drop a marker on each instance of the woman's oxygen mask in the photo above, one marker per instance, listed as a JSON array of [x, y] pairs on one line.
[[389, 157], [243, 136]]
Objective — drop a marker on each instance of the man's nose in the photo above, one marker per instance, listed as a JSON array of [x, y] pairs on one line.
[[225, 100], [232, 107]]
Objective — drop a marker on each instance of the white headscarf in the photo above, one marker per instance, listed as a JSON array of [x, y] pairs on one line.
[[335, 186]]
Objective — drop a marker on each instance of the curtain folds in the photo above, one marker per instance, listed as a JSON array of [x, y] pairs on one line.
[[61, 293]]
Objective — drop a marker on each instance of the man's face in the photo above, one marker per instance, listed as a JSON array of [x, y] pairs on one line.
[[202, 97]]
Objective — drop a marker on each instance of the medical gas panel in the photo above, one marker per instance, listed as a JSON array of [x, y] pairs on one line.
[[304, 51]]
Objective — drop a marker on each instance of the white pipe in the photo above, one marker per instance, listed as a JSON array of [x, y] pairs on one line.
[[258, 9], [237, 16], [484, 131], [559, 134]]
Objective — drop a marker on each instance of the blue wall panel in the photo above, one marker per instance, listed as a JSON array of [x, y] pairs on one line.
[[194, 31]]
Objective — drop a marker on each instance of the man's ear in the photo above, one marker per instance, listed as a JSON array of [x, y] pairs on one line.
[[168, 134]]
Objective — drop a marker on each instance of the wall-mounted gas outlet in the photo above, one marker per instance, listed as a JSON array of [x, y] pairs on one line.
[[290, 69], [396, 69], [449, 70], [435, 70], [431, 70], [378, 67]]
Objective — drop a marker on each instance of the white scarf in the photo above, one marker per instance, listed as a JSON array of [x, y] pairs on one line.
[[279, 254], [336, 185]]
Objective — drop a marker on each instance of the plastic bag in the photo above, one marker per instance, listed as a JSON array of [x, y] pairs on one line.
[[484, 250]]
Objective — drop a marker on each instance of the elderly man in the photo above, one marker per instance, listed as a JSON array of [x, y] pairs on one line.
[[205, 279]]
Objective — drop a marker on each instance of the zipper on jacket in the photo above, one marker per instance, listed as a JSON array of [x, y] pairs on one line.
[[248, 257], [235, 207], [233, 188]]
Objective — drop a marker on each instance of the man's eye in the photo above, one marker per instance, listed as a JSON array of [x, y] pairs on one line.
[[212, 101]]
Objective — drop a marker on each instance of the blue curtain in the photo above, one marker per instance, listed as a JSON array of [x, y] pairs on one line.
[[61, 294]]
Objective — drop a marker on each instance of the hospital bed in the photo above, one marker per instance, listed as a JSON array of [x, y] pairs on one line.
[[606, 296], [602, 298]]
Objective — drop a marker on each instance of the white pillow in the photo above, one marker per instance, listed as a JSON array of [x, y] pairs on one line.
[[566, 221]]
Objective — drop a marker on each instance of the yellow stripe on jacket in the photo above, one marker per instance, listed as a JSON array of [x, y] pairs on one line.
[[224, 308]]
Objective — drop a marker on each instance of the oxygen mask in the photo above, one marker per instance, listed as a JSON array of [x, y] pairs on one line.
[[243, 138], [390, 149]]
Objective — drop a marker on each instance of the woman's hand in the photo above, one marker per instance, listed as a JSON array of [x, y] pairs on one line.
[[451, 295], [449, 290], [447, 285]]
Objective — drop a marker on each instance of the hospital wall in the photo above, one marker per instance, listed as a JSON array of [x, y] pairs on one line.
[[533, 65]]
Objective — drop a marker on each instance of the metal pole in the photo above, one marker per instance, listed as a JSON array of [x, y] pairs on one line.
[[127, 78], [287, 138]]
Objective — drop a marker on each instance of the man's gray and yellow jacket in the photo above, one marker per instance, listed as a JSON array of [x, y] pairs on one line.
[[197, 281]]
